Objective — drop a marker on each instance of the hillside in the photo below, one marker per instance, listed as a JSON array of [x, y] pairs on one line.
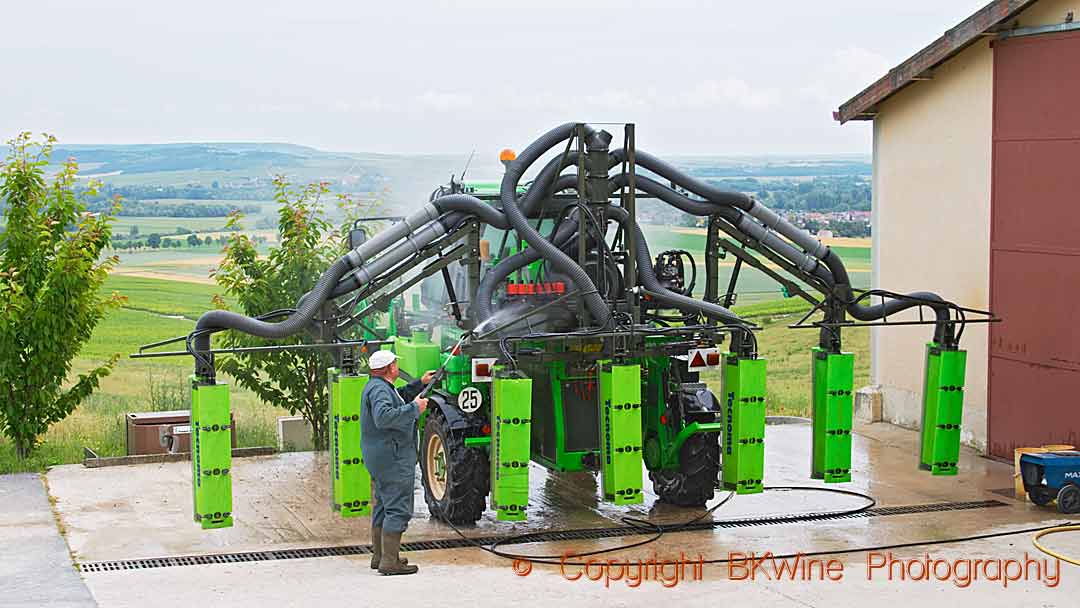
[[244, 171]]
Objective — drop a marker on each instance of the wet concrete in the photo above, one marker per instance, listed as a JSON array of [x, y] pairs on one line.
[[35, 568], [282, 502]]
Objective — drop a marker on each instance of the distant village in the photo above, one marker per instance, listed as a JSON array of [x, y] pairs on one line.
[[824, 225]]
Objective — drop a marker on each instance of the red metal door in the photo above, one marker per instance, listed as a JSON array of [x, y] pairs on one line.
[[1034, 379]]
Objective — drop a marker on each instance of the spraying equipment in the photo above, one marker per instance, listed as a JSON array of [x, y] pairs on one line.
[[561, 341]]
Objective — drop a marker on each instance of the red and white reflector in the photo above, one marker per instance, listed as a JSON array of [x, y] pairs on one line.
[[483, 370], [701, 359]]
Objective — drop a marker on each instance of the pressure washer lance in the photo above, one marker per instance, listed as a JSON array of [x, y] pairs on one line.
[[456, 350]]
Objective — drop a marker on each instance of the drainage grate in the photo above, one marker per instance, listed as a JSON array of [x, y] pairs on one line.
[[560, 535]]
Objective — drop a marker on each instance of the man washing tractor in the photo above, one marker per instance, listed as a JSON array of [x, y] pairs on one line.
[[387, 422], [607, 380]]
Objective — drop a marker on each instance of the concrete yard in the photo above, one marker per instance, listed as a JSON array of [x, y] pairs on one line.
[[136, 512]]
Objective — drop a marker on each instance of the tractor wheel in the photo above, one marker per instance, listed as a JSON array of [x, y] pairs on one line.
[[1068, 499], [455, 477], [694, 482], [1041, 495]]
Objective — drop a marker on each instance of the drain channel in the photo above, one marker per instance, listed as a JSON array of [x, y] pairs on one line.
[[539, 537]]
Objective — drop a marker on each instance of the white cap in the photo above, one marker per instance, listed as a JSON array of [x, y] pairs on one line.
[[380, 359]]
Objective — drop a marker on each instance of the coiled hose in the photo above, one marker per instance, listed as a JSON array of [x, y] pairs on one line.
[[647, 278], [565, 232], [813, 247], [562, 262]]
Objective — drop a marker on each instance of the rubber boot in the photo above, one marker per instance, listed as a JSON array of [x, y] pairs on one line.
[[376, 549], [391, 562]]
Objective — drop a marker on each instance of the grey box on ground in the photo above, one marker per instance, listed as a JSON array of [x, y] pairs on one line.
[[294, 434], [162, 432], [868, 404]]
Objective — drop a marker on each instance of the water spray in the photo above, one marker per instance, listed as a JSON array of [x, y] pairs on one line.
[[454, 351]]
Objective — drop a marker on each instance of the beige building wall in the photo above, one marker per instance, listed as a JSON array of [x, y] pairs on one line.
[[931, 218]]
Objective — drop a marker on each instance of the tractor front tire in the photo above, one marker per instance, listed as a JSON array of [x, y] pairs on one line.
[[455, 477], [694, 482]]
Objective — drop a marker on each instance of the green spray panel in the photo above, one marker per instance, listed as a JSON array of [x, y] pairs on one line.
[[943, 405], [511, 426], [211, 455], [350, 484], [744, 424], [417, 353], [833, 379], [620, 432]]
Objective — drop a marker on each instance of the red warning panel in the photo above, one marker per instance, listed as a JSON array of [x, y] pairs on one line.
[[697, 360], [701, 359], [483, 370]]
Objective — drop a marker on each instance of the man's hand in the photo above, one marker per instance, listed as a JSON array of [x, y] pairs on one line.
[[428, 377], [422, 402]]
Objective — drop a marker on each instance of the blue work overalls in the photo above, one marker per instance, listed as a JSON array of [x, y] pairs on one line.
[[388, 443]]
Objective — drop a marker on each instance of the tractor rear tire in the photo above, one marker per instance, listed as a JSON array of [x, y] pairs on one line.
[[455, 477], [694, 482], [1068, 499]]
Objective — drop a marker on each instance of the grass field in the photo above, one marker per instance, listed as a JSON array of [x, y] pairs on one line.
[[168, 225], [157, 309], [788, 355], [188, 264]]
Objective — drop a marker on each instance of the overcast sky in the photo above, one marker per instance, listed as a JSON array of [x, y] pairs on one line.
[[397, 76]]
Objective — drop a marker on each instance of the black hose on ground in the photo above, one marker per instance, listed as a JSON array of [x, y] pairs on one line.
[[657, 530], [598, 308]]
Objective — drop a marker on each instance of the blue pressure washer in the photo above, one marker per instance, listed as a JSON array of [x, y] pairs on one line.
[[1053, 475]]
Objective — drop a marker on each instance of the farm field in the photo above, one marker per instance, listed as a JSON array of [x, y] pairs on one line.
[[165, 226], [188, 264]]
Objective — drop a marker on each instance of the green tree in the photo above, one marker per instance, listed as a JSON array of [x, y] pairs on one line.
[[308, 244], [154, 240], [51, 274], [193, 240]]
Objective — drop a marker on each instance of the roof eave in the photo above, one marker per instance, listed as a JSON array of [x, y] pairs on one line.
[[917, 67]]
